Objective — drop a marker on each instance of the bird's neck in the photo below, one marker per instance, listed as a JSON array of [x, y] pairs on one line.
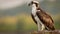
[[34, 8]]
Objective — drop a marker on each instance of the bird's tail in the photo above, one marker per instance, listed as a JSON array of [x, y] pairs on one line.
[[46, 28]]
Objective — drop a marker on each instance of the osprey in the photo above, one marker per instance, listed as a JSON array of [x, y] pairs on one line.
[[41, 18]]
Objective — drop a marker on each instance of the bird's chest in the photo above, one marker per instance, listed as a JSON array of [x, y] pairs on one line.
[[35, 16], [34, 12]]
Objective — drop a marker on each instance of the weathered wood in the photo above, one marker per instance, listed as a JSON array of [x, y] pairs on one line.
[[46, 32]]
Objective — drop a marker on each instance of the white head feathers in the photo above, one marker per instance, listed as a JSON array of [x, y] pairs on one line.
[[35, 1]]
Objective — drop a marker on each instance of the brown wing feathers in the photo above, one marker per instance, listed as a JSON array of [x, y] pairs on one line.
[[45, 19]]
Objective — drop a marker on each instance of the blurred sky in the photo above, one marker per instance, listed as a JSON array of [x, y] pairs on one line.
[[6, 4]]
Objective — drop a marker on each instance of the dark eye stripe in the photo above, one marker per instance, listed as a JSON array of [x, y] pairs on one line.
[[36, 4]]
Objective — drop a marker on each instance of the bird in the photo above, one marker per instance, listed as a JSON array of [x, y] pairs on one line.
[[43, 20]]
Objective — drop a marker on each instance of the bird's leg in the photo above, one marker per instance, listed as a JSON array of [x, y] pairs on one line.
[[42, 27], [39, 26]]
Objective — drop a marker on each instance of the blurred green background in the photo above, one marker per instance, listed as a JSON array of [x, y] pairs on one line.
[[18, 19]]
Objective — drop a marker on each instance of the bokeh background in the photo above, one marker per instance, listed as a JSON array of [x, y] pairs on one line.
[[15, 15]]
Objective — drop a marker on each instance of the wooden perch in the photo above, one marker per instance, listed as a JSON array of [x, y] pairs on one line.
[[46, 32]]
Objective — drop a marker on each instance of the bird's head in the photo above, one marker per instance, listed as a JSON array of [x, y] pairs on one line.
[[34, 2]]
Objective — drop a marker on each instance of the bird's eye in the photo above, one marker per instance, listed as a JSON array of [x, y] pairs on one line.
[[36, 3]]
